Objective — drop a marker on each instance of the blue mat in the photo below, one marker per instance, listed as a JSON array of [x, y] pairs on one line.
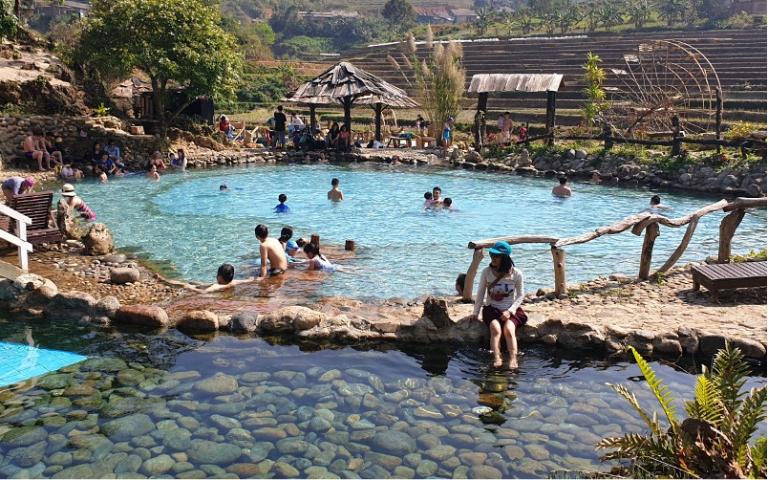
[[20, 362]]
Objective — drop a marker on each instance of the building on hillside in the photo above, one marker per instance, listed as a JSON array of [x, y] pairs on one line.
[[433, 15], [59, 8], [463, 15], [134, 98], [328, 15]]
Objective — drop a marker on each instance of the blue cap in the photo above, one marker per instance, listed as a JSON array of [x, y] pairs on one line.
[[501, 248], [291, 245]]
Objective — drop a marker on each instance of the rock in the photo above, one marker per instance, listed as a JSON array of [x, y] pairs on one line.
[[524, 160], [394, 442], [157, 465], [689, 339], [107, 307], [199, 320], [709, 344], [537, 452], [114, 258], [570, 154], [290, 319], [123, 275], [245, 322], [70, 305], [98, 240], [126, 428], [37, 290], [23, 436], [204, 451], [642, 340], [129, 377], [219, 384], [667, 345], [78, 471], [436, 309], [178, 439], [484, 471], [749, 347], [285, 470], [147, 315], [581, 154], [473, 157], [685, 178], [55, 381]]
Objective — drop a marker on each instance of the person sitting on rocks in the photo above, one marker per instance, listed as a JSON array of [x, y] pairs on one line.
[[153, 173], [15, 186], [272, 253], [113, 150], [333, 135], [501, 312], [180, 160], [562, 190], [106, 165], [317, 260], [70, 173], [46, 142], [34, 149], [157, 160]]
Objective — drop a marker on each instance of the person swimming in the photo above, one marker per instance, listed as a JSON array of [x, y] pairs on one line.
[[223, 188], [317, 260], [282, 207], [447, 202], [656, 206], [427, 200]]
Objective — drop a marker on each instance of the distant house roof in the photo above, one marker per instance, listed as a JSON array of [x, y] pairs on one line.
[[463, 12], [515, 82], [434, 12], [329, 14]]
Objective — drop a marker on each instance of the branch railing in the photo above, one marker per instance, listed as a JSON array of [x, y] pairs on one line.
[[20, 238], [644, 222]]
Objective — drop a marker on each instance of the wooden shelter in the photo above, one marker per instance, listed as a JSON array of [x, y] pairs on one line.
[[484, 84], [348, 85]]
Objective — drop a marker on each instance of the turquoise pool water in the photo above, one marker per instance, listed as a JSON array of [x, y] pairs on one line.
[[402, 250], [19, 361], [168, 405]]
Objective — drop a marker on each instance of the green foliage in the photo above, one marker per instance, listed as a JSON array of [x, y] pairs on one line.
[[175, 42], [8, 22], [752, 256], [713, 441], [264, 84], [101, 111], [303, 45], [255, 38], [594, 76], [399, 14], [740, 130]]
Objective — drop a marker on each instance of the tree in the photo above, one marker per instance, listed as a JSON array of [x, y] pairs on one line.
[[611, 14], [673, 10], [483, 20], [9, 23], [525, 19], [399, 14], [712, 442], [594, 76], [639, 12], [174, 42]]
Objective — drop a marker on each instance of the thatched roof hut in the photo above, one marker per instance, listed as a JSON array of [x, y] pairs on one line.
[[346, 84]]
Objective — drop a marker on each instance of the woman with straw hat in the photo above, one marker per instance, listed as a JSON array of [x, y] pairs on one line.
[[71, 208], [501, 312]]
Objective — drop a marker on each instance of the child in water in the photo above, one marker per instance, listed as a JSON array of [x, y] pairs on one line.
[[427, 200], [282, 207], [317, 260], [335, 194]]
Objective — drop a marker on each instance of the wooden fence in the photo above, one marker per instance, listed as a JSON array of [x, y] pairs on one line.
[[644, 222]]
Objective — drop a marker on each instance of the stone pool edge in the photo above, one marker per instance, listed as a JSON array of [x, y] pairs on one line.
[[436, 320]]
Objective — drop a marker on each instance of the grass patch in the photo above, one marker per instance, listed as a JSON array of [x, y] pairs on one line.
[[752, 256]]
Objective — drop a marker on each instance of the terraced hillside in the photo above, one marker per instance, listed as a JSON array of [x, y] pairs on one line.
[[738, 56]]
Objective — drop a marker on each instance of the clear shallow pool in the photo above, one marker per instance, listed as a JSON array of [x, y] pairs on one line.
[[172, 405], [402, 250]]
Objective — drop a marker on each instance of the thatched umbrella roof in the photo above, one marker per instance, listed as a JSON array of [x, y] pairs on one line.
[[343, 82]]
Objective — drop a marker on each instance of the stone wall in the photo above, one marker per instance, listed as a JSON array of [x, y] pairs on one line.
[[78, 136]]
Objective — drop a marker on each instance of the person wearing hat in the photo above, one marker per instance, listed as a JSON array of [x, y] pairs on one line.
[[15, 186], [70, 201], [500, 295]]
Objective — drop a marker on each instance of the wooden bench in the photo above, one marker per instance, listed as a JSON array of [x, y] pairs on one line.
[[729, 275], [36, 206]]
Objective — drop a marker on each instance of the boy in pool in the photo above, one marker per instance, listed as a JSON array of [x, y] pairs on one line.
[[223, 188], [656, 205], [447, 202], [335, 194], [225, 279], [282, 207], [427, 200], [562, 190], [272, 252]]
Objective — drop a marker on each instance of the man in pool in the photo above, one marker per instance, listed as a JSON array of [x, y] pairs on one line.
[[562, 189], [335, 194], [437, 200], [272, 252], [656, 205]]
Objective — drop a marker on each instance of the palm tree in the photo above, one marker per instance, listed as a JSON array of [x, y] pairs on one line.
[[639, 12]]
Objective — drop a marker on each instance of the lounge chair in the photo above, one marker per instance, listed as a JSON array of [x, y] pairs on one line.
[[729, 276], [36, 206]]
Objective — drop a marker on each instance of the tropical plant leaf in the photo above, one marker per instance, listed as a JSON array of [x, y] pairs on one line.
[[660, 391], [758, 450], [706, 404], [752, 412], [729, 374], [653, 424]]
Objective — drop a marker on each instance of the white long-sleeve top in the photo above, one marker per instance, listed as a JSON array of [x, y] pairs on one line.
[[506, 294]]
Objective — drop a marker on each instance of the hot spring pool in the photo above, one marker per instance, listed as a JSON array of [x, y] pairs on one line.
[[402, 251], [226, 407]]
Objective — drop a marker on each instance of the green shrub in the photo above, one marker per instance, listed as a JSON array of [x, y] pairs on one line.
[[752, 256], [712, 442], [740, 130]]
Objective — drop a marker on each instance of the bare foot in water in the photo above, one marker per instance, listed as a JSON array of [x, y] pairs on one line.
[[497, 361], [512, 362]]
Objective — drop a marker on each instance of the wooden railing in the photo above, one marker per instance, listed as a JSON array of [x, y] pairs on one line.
[[20, 239], [647, 222]]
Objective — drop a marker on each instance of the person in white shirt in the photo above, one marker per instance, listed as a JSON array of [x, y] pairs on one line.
[[297, 124], [501, 310]]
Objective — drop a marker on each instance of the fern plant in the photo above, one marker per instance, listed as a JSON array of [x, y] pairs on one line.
[[713, 441]]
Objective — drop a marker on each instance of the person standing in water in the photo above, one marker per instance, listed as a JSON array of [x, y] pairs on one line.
[[656, 206], [282, 207], [272, 253], [501, 311], [562, 189], [335, 194]]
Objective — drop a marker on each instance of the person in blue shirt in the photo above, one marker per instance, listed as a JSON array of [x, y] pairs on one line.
[[282, 207]]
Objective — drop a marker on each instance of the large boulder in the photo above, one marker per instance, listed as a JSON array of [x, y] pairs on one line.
[[146, 315], [70, 305], [199, 321], [122, 275], [107, 307], [98, 240], [245, 322], [291, 319], [28, 290], [436, 309]]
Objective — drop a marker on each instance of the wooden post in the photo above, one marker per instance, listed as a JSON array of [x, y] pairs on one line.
[[558, 259], [347, 103], [607, 139], [718, 116], [676, 136], [21, 232], [551, 108], [482, 102], [315, 240], [651, 232], [377, 108], [469, 282], [727, 228], [349, 245], [312, 118]]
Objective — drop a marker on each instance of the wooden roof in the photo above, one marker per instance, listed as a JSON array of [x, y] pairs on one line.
[[345, 80], [515, 82]]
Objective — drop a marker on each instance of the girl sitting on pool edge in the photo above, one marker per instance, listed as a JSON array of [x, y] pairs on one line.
[[501, 311]]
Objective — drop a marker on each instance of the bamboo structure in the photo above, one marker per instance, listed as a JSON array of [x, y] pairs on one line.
[[643, 222]]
